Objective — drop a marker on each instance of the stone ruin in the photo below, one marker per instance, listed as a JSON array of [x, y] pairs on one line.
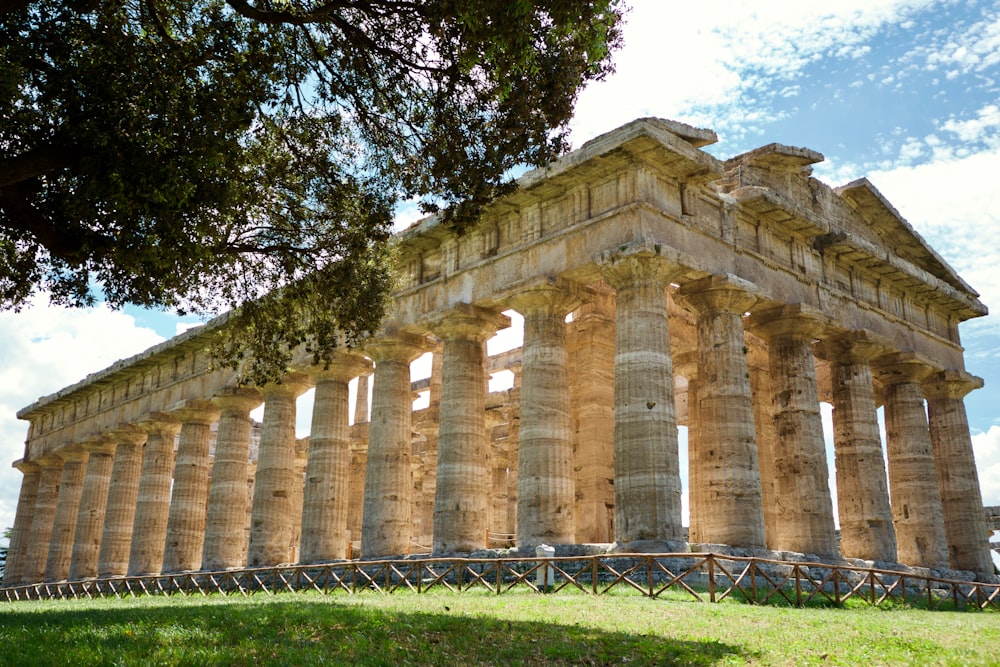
[[660, 286]]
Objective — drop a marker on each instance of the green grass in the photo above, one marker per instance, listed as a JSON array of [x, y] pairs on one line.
[[478, 628]]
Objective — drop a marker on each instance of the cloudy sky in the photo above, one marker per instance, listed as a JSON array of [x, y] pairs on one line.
[[905, 92]]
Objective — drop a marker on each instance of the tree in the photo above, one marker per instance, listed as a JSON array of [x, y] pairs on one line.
[[204, 155]]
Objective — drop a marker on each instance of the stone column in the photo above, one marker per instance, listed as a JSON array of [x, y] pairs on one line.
[[726, 459], [385, 519], [461, 499], [189, 498], [958, 482], [591, 343], [20, 536], [545, 484], [152, 507], [273, 516], [760, 387], [913, 488], [361, 400], [228, 495], [93, 506], [801, 477], [866, 529], [64, 529], [686, 365], [123, 494], [37, 553], [327, 481], [647, 472]]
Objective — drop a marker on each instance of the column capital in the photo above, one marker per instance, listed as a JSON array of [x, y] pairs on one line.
[[74, 453], [290, 385], [128, 434], [195, 411], [719, 293], [797, 320], [638, 264], [99, 444], [901, 367], [47, 461], [342, 366], [465, 321], [26, 467], [547, 296], [243, 399], [858, 346], [951, 383], [159, 422], [396, 345]]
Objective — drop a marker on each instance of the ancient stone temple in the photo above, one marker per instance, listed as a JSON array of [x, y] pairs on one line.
[[660, 287]]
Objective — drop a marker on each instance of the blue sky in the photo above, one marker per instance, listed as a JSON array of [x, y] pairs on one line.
[[904, 92]]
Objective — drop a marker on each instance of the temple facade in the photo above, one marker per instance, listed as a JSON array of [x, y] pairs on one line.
[[660, 287]]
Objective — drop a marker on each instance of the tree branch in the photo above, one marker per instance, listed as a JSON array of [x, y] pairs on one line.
[[36, 162]]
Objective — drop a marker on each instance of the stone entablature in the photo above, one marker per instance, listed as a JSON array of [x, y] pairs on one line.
[[728, 296]]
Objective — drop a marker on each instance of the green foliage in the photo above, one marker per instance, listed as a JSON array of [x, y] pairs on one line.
[[198, 154]]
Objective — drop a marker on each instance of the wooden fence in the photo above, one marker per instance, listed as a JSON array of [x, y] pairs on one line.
[[698, 576]]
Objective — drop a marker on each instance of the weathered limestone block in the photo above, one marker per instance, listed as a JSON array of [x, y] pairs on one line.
[[327, 481], [227, 515], [189, 498], [20, 536], [591, 345], [93, 506], [44, 517], [64, 529], [801, 477], [461, 503], [123, 492], [913, 488], [385, 522], [958, 482], [647, 467], [866, 529], [152, 509], [274, 519], [729, 488], [545, 488]]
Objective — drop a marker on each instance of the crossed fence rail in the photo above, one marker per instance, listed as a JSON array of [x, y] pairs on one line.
[[698, 576]]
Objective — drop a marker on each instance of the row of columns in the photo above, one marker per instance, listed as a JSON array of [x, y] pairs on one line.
[[103, 515]]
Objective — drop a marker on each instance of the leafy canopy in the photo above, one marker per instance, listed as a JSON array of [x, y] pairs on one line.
[[204, 155]]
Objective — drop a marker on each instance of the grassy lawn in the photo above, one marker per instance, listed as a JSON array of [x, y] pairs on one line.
[[478, 628]]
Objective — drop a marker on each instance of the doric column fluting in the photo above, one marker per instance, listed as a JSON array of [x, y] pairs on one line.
[[274, 520], [385, 520], [152, 507], [647, 466], [93, 506], [228, 495], [866, 529], [189, 498], [461, 499], [801, 476], [958, 482], [729, 487], [327, 480], [760, 386], [913, 487], [37, 554], [123, 493], [20, 536], [64, 528], [546, 493]]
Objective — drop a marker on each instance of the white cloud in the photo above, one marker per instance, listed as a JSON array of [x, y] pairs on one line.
[[984, 127], [43, 349], [986, 446]]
